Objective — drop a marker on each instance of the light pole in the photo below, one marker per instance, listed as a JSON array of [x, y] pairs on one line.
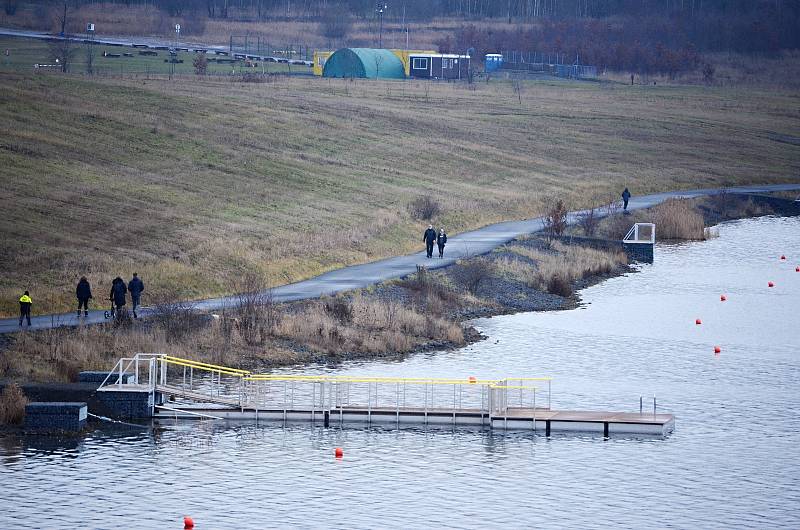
[[89, 48], [381, 9], [173, 56]]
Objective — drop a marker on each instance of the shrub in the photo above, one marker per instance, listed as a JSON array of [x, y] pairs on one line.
[[555, 220], [559, 284], [473, 272], [200, 63], [588, 222], [424, 208], [340, 309], [12, 405]]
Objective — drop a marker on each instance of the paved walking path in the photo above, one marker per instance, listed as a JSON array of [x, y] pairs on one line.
[[464, 245]]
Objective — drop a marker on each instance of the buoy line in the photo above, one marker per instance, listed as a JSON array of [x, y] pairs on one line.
[[104, 418]]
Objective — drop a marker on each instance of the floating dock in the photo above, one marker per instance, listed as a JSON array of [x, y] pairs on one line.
[[162, 386]]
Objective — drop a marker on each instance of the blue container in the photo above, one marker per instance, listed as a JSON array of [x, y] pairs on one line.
[[492, 62]]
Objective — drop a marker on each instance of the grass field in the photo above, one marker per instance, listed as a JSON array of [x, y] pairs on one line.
[[195, 182]]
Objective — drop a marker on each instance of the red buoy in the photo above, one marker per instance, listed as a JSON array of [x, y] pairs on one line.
[[187, 522], [473, 379], [722, 298], [770, 284], [717, 349], [338, 452], [783, 258], [698, 322], [797, 269]]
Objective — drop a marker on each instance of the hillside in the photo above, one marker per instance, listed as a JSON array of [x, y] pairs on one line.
[[196, 182]]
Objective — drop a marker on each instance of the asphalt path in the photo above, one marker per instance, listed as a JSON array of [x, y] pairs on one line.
[[460, 246]]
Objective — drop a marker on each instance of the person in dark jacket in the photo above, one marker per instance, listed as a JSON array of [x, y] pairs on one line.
[[25, 304], [135, 287], [429, 237], [83, 292], [117, 296], [441, 240], [626, 195]]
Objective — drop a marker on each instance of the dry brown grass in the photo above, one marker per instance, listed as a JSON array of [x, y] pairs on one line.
[[678, 219], [556, 270], [377, 327], [12, 405], [195, 182]]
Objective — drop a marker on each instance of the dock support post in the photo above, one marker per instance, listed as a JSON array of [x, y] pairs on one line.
[[327, 421], [547, 428], [605, 429]]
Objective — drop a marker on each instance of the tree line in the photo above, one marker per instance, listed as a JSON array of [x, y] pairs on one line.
[[417, 10]]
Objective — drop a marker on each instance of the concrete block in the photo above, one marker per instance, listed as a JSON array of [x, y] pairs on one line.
[[55, 416], [126, 404]]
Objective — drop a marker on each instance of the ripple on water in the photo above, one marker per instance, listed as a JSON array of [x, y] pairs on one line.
[[732, 462]]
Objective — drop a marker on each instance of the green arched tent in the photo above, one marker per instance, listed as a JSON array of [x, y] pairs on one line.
[[364, 62]]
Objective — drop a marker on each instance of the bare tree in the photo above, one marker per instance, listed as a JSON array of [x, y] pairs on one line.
[[588, 221], [63, 51], [200, 63], [516, 84], [555, 220]]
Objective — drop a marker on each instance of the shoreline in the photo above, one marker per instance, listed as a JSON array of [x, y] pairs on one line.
[[426, 311]]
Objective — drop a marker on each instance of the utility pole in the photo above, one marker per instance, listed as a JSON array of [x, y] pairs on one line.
[[381, 9], [90, 48], [173, 56]]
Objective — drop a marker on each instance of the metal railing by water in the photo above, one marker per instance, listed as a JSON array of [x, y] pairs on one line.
[[190, 381]]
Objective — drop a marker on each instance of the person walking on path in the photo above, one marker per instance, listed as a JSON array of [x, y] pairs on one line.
[[25, 304], [429, 237], [135, 287], [626, 195], [441, 241], [117, 296], [83, 292]]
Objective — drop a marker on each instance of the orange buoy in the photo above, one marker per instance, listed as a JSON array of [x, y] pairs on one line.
[[473, 379], [722, 298], [717, 349], [187, 522], [770, 284], [797, 269], [698, 322], [338, 452]]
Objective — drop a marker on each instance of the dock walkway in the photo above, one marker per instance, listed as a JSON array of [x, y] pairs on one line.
[[181, 388]]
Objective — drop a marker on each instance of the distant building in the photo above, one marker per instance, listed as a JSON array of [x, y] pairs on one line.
[[439, 66], [321, 57], [368, 63], [492, 62]]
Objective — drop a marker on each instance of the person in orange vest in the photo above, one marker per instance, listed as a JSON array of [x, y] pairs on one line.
[[25, 303]]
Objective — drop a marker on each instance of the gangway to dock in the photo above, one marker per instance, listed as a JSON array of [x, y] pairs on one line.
[[183, 388]]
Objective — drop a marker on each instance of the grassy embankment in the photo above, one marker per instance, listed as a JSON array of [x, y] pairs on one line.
[[424, 311], [198, 182]]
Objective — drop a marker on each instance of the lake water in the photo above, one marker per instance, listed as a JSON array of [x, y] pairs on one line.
[[733, 460]]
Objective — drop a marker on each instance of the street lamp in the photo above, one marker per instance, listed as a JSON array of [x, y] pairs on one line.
[[90, 48], [381, 9]]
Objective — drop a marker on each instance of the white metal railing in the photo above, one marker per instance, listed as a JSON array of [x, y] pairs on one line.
[[200, 382], [641, 233]]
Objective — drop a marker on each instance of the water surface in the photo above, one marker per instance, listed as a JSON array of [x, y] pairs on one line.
[[733, 460]]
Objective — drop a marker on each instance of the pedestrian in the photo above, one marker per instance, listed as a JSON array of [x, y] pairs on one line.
[[441, 240], [83, 292], [117, 296], [429, 237], [25, 303], [626, 195], [135, 287]]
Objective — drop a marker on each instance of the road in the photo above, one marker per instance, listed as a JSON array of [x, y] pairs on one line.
[[468, 244]]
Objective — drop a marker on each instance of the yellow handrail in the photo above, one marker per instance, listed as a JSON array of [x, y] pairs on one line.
[[249, 376], [204, 366]]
